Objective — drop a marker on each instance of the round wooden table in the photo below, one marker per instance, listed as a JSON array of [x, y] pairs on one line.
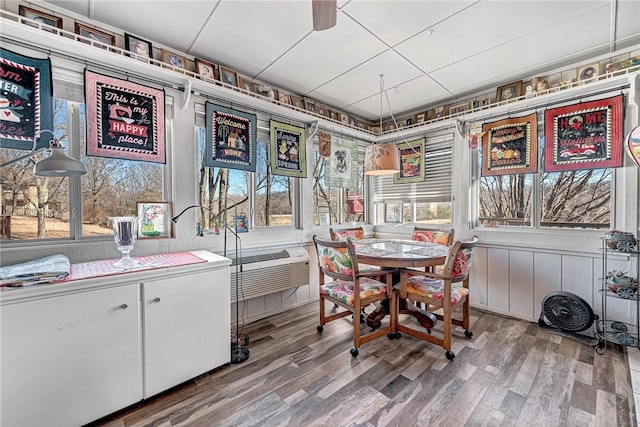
[[400, 254]]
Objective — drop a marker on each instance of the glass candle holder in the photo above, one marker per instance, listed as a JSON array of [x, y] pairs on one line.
[[125, 231]]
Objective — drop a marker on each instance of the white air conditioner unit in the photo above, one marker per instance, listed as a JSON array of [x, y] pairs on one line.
[[266, 271]]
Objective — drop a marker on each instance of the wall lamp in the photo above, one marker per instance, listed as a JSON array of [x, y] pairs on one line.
[[57, 164]]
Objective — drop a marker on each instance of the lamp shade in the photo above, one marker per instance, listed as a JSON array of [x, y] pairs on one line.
[[58, 164], [381, 159], [632, 145]]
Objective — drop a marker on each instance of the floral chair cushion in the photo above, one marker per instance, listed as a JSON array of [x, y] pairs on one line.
[[430, 236], [433, 288], [342, 290], [342, 235], [336, 260], [462, 264]]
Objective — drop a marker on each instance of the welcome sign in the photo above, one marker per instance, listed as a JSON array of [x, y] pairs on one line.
[[125, 120], [231, 138], [26, 101]]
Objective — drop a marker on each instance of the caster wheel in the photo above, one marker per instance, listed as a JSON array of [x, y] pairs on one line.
[[319, 328], [354, 352], [391, 336], [450, 355], [429, 331], [398, 335], [468, 333]]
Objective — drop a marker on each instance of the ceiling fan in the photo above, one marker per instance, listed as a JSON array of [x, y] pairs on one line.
[[324, 14]]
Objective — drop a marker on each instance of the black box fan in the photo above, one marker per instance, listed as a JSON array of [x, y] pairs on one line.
[[566, 312]]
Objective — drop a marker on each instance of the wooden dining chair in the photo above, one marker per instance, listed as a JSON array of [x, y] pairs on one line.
[[349, 289], [439, 292], [347, 233]]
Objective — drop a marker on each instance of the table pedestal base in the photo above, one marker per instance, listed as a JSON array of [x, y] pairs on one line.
[[426, 319]]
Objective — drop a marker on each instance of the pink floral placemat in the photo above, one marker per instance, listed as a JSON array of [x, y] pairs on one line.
[[86, 270]]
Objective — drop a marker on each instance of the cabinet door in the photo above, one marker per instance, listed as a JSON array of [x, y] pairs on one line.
[[186, 328], [71, 359]]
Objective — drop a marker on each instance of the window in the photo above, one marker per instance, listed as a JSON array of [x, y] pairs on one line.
[[274, 193], [427, 202], [37, 208], [572, 199]]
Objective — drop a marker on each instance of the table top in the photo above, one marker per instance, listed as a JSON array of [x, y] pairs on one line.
[[399, 253]]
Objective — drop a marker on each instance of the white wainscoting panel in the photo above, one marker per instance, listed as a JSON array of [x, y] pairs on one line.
[[478, 277], [546, 277], [521, 283], [498, 279]]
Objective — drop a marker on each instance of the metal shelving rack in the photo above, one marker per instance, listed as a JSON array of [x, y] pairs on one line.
[[609, 330]]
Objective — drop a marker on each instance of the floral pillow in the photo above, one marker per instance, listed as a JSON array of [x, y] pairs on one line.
[[342, 235], [431, 236]]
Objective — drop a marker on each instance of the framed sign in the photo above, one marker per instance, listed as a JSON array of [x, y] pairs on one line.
[[155, 220], [231, 138], [411, 162], [510, 146], [125, 120], [288, 150], [341, 167], [26, 101], [584, 136]]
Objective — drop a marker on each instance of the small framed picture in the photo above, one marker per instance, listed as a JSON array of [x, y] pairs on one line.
[[138, 46], [95, 35], [228, 76], [155, 220], [43, 18], [459, 108], [439, 112], [588, 73], [475, 105], [486, 102], [207, 69], [344, 119], [323, 111], [246, 84], [389, 126], [324, 215], [393, 213], [297, 102], [310, 105], [175, 60], [335, 115], [284, 97], [420, 118], [509, 91]]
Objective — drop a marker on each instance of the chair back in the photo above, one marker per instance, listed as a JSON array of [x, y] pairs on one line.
[[433, 235], [337, 259], [459, 258], [347, 233]]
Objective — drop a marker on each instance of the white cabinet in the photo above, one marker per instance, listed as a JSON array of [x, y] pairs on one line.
[[74, 352], [186, 328], [68, 360]]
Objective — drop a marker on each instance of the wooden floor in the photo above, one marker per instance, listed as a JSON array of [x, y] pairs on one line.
[[511, 373]]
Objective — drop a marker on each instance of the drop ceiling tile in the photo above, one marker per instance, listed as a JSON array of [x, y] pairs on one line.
[[322, 56], [171, 23], [248, 39], [512, 60], [382, 17], [410, 96], [364, 80], [489, 24]]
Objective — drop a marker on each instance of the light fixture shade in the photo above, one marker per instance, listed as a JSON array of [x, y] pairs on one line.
[[324, 14], [58, 164], [632, 145], [381, 159]]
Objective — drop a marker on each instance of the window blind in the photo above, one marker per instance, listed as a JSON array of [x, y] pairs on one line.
[[438, 177]]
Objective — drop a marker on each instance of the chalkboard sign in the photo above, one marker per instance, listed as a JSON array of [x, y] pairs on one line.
[[587, 135], [125, 120], [26, 101], [231, 138], [510, 146]]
